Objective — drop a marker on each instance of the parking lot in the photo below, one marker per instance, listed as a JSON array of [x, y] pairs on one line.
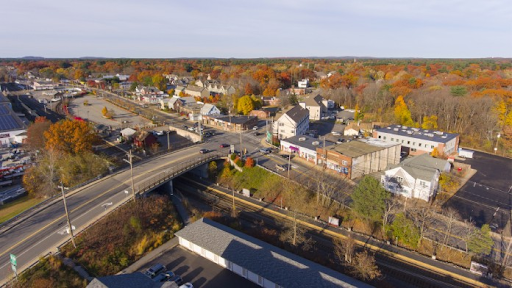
[[486, 198], [198, 270]]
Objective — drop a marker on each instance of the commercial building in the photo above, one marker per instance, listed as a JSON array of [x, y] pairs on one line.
[[12, 129], [417, 141], [359, 157], [304, 146], [258, 261], [230, 123]]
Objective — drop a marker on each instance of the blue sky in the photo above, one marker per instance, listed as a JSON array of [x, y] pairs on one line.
[[260, 28]]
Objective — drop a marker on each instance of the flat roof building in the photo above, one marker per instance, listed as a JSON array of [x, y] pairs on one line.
[[417, 141]]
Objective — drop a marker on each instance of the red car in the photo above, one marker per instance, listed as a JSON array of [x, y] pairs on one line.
[[224, 145]]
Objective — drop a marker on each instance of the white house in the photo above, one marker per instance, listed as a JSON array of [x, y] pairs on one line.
[[316, 107], [416, 177], [304, 83], [209, 109], [294, 122]]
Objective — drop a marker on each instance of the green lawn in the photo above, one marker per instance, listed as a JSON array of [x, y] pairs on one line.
[[12, 209]]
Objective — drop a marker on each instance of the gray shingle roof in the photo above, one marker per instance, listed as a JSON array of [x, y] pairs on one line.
[[423, 166], [279, 266], [315, 101], [297, 113], [136, 279], [429, 135]]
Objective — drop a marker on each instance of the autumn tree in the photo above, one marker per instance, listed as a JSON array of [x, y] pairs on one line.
[[344, 249], [402, 113], [212, 170], [249, 162], [369, 199], [70, 137], [245, 105], [35, 133], [104, 111], [429, 122]]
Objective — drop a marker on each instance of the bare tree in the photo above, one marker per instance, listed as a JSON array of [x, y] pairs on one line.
[[344, 249], [423, 219], [364, 266], [392, 206], [451, 217]]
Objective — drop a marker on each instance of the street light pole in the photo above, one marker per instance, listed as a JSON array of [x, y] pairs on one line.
[[130, 161], [497, 139], [67, 213], [168, 141]]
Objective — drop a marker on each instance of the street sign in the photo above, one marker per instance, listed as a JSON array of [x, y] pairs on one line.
[[13, 260], [13, 267]]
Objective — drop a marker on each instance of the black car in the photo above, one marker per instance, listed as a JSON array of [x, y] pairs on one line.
[[286, 156], [204, 151], [224, 145]]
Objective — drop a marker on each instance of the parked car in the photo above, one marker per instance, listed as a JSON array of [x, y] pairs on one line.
[[255, 128], [191, 129], [159, 133], [286, 156], [265, 150], [176, 279], [258, 133], [282, 167], [224, 145], [187, 285], [204, 151], [160, 278], [154, 270]]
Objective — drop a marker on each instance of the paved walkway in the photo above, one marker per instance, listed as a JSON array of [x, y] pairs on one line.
[[151, 256]]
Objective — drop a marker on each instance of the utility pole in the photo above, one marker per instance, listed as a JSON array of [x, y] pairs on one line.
[[289, 161], [233, 212], [67, 213], [130, 161], [168, 141]]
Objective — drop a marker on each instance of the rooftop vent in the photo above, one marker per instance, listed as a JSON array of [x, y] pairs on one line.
[[438, 132], [404, 127], [430, 135], [389, 128], [409, 132], [416, 129], [398, 126], [302, 139], [315, 143]]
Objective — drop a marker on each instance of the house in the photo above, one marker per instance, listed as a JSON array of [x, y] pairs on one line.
[[346, 116], [128, 133], [220, 89], [294, 122], [144, 139], [270, 101], [179, 89], [359, 157], [304, 146], [209, 109], [261, 114], [256, 260], [415, 177], [355, 129], [304, 83], [136, 279], [196, 91], [176, 103], [230, 123], [417, 141], [316, 107], [147, 90]]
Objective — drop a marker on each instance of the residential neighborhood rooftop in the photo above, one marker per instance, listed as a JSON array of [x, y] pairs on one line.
[[297, 113], [272, 263], [235, 119], [429, 135], [423, 166]]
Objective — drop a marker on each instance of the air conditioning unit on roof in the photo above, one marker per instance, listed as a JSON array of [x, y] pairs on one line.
[[315, 143], [302, 139]]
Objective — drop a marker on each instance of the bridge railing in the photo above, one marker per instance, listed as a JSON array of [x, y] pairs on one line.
[[170, 173]]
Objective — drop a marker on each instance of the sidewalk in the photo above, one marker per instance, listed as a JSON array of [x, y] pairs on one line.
[[150, 256]]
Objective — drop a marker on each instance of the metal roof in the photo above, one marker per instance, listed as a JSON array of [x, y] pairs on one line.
[[8, 120], [429, 135], [272, 263]]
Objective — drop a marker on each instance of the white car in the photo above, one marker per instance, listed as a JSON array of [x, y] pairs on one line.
[[187, 285], [335, 133], [159, 133]]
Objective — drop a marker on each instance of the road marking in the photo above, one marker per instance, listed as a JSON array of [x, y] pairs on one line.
[[88, 202], [360, 243]]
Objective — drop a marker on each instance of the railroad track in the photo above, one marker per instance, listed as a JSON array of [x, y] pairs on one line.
[[395, 270]]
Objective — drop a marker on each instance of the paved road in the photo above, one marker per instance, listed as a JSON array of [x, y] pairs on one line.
[[43, 232]]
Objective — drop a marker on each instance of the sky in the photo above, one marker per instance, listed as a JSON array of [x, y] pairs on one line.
[[257, 28]]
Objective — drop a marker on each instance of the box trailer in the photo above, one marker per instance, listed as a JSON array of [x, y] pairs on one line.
[[465, 153]]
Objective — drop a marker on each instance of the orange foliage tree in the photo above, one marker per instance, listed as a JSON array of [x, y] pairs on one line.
[[70, 137], [35, 137]]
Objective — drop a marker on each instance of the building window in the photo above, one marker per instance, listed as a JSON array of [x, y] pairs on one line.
[[392, 139], [419, 144], [402, 141], [413, 149], [408, 142], [379, 137], [399, 179], [432, 146], [384, 137], [413, 143]]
